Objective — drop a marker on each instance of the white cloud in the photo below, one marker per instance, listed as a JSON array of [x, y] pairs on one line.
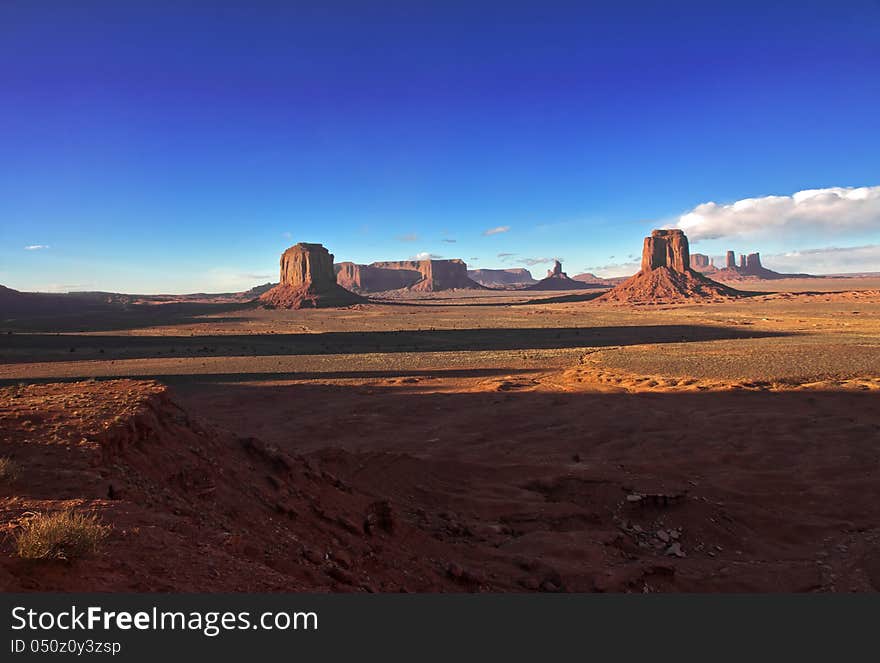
[[424, 255], [614, 270], [827, 260], [836, 211], [497, 230], [64, 287], [225, 279], [36, 247]]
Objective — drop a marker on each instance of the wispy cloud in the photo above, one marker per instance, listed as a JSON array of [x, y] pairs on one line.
[[65, 287], [826, 260], [411, 237], [287, 235], [835, 211], [36, 247], [449, 241], [424, 255], [531, 262], [612, 270], [496, 231], [226, 279], [506, 255]]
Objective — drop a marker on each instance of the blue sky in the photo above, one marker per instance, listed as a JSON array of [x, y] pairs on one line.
[[171, 147]]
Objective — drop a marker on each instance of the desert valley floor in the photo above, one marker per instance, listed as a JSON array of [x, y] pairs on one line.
[[481, 441]]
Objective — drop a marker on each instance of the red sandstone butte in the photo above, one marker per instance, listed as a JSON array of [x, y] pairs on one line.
[[666, 275], [415, 275], [308, 281]]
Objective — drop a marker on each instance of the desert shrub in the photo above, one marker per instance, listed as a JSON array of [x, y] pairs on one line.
[[64, 534], [8, 470]]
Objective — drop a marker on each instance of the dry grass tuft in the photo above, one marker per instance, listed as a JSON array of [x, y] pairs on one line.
[[64, 535]]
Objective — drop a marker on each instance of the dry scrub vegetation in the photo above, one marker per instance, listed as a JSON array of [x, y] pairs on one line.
[[63, 535]]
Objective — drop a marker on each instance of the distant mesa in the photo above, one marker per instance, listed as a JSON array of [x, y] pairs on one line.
[[556, 279], [15, 302], [667, 276], [749, 268], [412, 275], [256, 291], [702, 262], [307, 281], [591, 279], [513, 278], [519, 278]]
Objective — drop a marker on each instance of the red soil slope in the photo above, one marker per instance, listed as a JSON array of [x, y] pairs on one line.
[[191, 508], [663, 284]]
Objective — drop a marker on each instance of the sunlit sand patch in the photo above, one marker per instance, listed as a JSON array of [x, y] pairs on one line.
[[603, 379]]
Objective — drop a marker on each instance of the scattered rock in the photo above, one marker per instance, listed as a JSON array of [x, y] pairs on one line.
[[454, 571], [550, 586], [312, 555], [341, 575], [530, 584], [379, 516]]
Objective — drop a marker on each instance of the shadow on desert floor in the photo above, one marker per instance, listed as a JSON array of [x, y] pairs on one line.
[[491, 485], [118, 317], [407, 376], [21, 348], [760, 483]]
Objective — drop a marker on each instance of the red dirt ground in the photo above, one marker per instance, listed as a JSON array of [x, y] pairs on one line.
[[586, 501], [491, 443], [191, 509]]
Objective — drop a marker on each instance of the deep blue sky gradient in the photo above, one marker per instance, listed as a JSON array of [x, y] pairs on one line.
[[175, 147]]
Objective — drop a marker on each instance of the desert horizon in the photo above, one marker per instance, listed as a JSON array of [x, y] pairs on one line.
[[547, 435]]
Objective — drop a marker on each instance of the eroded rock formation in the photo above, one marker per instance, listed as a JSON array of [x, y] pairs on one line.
[[666, 275], [753, 262], [556, 272], [556, 279], [749, 267], [368, 278], [666, 248], [416, 275], [701, 262], [501, 278], [308, 280]]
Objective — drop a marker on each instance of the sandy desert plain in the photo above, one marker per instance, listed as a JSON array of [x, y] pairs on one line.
[[463, 441]]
